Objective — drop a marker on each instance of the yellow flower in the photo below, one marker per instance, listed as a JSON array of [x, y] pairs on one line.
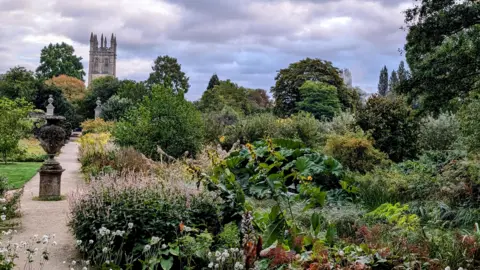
[[222, 139], [309, 178]]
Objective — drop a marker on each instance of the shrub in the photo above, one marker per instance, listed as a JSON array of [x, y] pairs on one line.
[[229, 237], [115, 108], [251, 128], [141, 205], [164, 120], [469, 117], [341, 124], [302, 126], [355, 152], [392, 125], [96, 126], [95, 153], [441, 133], [216, 122], [320, 99]]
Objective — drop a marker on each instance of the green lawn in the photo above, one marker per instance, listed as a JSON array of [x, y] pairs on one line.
[[19, 173]]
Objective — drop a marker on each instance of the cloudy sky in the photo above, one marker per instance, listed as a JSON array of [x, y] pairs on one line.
[[246, 41]]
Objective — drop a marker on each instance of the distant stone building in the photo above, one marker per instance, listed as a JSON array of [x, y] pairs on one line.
[[103, 59], [347, 77]]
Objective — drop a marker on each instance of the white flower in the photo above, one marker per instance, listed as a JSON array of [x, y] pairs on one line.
[[104, 231], [210, 265], [238, 265], [72, 268], [154, 240], [90, 241], [3, 217], [2, 200], [146, 248], [341, 253], [105, 250], [107, 262], [87, 262], [216, 266], [164, 246], [447, 268], [217, 253], [84, 268], [209, 254], [4, 208], [130, 225], [74, 262], [64, 262], [54, 243], [79, 242]]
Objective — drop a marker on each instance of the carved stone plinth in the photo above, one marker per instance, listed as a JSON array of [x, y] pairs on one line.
[[50, 181]]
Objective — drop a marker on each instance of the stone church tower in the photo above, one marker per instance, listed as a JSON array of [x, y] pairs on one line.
[[103, 59]]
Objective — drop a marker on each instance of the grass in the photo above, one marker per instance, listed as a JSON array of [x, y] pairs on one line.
[[19, 173]]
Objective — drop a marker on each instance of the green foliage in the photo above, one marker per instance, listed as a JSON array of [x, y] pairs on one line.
[[342, 124], [264, 166], [166, 120], [14, 124], [229, 237], [216, 123], [145, 208], [393, 81], [167, 72], [18, 82], [103, 88], [286, 91], [132, 90], [59, 59], [392, 125], [115, 108], [320, 99], [442, 41], [225, 93], [383, 82], [97, 126], [397, 215], [195, 249], [213, 82], [469, 118], [440, 133], [355, 152], [302, 126], [258, 100]]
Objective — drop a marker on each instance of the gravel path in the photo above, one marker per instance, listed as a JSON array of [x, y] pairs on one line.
[[41, 217]]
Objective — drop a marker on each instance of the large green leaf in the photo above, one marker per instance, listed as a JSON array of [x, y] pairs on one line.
[[167, 263], [276, 227]]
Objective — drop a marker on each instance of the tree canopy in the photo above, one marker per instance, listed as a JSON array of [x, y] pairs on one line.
[[59, 59], [18, 82], [320, 99], [383, 82], [168, 73], [73, 89], [441, 50], [286, 91], [213, 81]]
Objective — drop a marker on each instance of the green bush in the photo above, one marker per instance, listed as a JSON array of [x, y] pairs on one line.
[[115, 108], [392, 125], [216, 122], [355, 152], [150, 206], [229, 237], [441, 133], [341, 124], [469, 117], [166, 120], [320, 99], [251, 128]]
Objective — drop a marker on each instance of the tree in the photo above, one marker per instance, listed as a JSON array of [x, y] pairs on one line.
[[402, 73], [166, 120], [14, 124], [289, 80], [228, 94], [258, 99], [132, 90], [18, 83], [59, 59], [320, 99], [393, 81], [168, 73], [213, 81], [72, 88], [441, 49], [115, 108], [392, 125], [383, 82], [103, 88], [469, 119]]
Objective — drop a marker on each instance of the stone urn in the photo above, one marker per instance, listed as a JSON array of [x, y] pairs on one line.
[[52, 139]]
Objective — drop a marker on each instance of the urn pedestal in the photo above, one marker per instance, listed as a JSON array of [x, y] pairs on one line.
[[52, 138]]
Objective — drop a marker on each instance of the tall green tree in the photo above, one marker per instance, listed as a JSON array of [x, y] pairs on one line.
[[441, 49], [14, 124], [320, 99], [103, 88], [393, 81], [228, 94], [18, 82], [59, 59], [134, 91], [383, 82], [286, 91], [402, 73], [213, 81], [168, 73], [166, 120]]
